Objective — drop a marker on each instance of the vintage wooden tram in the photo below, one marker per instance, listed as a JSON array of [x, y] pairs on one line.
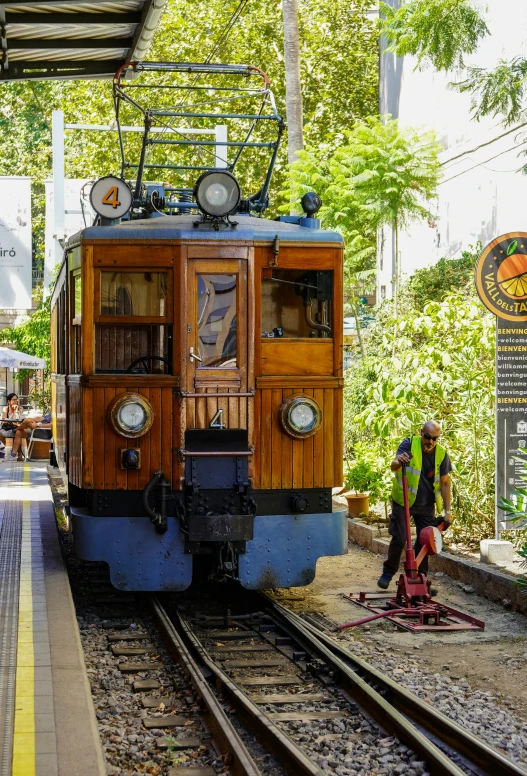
[[197, 394]]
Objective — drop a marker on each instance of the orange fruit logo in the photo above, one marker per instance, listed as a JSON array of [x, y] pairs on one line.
[[512, 276], [501, 276]]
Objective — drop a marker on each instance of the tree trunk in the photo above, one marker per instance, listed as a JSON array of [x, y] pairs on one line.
[[357, 324], [293, 88]]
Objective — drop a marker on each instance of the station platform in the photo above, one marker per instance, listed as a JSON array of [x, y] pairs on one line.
[[47, 720]]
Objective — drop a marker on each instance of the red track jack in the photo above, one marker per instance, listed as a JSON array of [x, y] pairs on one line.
[[413, 608]]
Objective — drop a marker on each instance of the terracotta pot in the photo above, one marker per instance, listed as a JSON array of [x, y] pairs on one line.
[[357, 504]]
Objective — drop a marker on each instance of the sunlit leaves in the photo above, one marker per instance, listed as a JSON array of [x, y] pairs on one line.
[[497, 92], [339, 85], [437, 32], [381, 173], [444, 369]]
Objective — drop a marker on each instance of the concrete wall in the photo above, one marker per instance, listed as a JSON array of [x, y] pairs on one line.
[[482, 195]]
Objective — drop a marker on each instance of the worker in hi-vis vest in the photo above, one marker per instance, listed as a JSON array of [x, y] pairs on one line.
[[428, 470]]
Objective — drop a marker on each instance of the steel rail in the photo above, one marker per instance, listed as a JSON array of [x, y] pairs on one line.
[[293, 758], [215, 718], [366, 697], [480, 754]]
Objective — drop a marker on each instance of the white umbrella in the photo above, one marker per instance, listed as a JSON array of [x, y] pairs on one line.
[[14, 359]]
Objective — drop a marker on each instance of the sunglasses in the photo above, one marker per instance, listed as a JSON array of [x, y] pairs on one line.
[[431, 438]]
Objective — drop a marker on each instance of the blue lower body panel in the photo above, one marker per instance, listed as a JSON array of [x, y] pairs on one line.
[[283, 552], [285, 548], [138, 557]]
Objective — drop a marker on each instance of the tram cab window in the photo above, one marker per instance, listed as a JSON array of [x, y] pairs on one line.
[[58, 325], [134, 293], [77, 295], [217, 320], [297, 303], [133, 322], [76, 331], [118, 345]]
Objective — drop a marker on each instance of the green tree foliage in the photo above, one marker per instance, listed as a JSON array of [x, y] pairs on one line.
[[432, 284], [437, 32], [381, 174], [32, 335], [444, 370], [497, 92], [339, 85], [442, 33]]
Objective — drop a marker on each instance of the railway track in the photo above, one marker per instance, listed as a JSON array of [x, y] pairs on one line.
[[260, 663], [273, 673]]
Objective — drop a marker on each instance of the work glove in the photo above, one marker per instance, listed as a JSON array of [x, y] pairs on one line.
[[446, 519]]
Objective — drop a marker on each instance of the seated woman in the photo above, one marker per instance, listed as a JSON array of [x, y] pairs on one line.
[[23, 431], [12, 411]]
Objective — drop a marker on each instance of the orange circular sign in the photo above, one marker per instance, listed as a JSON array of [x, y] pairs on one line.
[[501, 276]]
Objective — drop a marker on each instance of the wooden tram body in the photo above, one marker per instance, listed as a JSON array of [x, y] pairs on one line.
[[197, 361], [99, 330]]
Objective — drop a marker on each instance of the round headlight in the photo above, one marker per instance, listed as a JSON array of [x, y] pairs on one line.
[[132, 415], [301, 416], [217, 193]]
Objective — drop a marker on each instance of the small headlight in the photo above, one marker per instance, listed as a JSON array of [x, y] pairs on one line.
[[132, 415], [217, 193], [301, 416]]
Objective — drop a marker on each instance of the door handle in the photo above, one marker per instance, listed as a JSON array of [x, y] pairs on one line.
[[194, 356]]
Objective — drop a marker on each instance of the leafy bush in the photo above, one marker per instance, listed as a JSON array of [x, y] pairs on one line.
[[432, 284], [437, 32], [516, 510], [436, 362], [33, 334], [362, 477], [40, 398]]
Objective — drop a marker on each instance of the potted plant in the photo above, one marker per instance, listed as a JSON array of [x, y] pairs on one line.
[[367, 486]]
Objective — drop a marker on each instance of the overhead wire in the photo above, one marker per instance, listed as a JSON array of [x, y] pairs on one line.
[[215, 49], [481, 164], [217, 46], [482, 145]]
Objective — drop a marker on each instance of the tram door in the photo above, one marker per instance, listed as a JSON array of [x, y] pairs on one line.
[[217, 350]]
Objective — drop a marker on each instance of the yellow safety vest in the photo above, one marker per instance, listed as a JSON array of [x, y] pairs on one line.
[[413, 473]]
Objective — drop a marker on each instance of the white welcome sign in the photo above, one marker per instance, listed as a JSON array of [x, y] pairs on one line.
[[15, 243]]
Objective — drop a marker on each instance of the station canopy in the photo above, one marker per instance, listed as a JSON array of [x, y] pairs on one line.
[[61, 40]]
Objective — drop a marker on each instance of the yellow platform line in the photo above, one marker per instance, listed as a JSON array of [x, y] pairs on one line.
[[24, 744]]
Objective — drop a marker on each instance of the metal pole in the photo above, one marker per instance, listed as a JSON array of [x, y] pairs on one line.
[[410, 565], [54, 256], [221, 151]]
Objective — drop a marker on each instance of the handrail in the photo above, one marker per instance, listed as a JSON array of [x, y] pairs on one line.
[[217, 453], [247, 394]]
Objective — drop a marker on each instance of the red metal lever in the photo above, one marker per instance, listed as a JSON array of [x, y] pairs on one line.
[[410, 564]]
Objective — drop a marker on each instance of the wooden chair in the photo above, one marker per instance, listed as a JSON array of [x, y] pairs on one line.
[[41, 435]]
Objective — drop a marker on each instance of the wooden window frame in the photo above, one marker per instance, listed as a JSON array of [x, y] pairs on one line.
[[138, 319], [210, 376]]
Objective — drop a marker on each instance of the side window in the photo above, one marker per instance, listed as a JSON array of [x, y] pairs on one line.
[[217, 337], [134, 321], [141, 294], [297, 303], [118, 345], [76, 316], [58, 326]]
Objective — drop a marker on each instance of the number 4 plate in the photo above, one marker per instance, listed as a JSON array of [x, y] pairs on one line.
[[111, 197]]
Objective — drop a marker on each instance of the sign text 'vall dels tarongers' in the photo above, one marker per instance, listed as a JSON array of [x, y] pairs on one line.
[[501, 281]]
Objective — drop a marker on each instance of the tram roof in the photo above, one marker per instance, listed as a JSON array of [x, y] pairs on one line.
[[182, 228], [54, 39]]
